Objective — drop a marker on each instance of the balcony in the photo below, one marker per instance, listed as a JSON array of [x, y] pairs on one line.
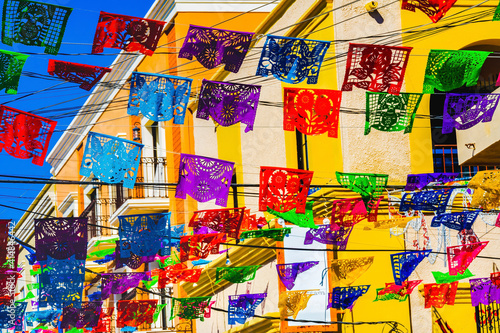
[[446, 160]]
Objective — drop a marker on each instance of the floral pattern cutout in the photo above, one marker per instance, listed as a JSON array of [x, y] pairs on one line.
[[213, 47], [24, 135], [376, 68]]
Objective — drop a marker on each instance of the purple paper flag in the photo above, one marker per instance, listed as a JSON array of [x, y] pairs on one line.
[[213, 47], [462, 111], [228, 103], [242, 307], [204, 179], [87, 316], [118, 283], [325, 235], [421, 180], [61, 238], [484, 291], [288, 272]]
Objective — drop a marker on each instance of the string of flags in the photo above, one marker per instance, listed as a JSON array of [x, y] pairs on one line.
[[61, 250], [61, 243]]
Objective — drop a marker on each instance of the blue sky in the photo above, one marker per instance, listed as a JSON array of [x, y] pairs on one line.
[[77, 39]]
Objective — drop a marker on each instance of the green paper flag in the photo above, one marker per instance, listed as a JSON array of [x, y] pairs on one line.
[[32, 286], [34, 23], [29, 296], [236, 274], [150, 284], [75, 330], [12, 67], [189, 308], [450, 69], [107, 241], [159, 307], [391, 113], [305, 220], [496, 16], [368, 185], [447, 278], [277, 234]]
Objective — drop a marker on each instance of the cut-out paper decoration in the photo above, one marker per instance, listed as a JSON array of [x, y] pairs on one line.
[[190, 308], [292, 302], [236, 274], [391, 113], [24, 135], [128, 33], [278, 234], [496, 17], [251, 222], [440, 277], [384, 296], [34, 23], [105, 320], [227, 220], [135, 313], [87, 316], [94, 297], [288, 272], [343, 298], [176, 273], [346, 271], [8, 282], [12, 317], [450, 69], [291, 59], [435, 10], [176, 233], [228, 103], [283, 189], [43, 317], [305, 220], [61, 238], [118, 283], [404, 263], [200, 246], [406, 288], [159, 97], [312, 111], [376, 68], [204, 179], [10, 74], [213, 47], [61, 282], [486, 186], [483, 291], [242, 307], [111, 159], [85, 75], [368, 185], [421, 180], [456, 221], [426, 200], [149, 284], [159, 309], [101, 253], [495, 278], [134, 261], [439, 295], [349, 212], [461, 256], [325, 235], [396, 222], [144, 234], [463, 111]]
